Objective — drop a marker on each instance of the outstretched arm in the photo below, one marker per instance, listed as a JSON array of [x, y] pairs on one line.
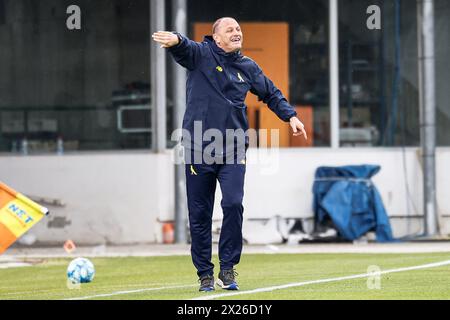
[[266, 91], [186, 52]]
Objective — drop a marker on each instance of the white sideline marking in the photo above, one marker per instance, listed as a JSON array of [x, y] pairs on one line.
[[299, 284], [129, 291]]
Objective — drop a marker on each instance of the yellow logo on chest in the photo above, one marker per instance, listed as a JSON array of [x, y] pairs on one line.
[[219, 68]]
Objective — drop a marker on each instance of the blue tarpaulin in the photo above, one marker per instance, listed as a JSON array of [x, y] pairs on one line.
[[348, 197]]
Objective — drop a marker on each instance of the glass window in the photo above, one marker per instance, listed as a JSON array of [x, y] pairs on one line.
[[89, 89], [82, 89], [379, 104]]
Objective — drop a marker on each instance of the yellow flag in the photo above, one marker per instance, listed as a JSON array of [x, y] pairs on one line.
[[17, 215]]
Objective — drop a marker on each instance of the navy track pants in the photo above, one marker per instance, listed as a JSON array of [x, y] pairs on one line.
[[201, 180]]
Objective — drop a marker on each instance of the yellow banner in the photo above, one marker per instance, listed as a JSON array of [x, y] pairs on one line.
[[17, 215]]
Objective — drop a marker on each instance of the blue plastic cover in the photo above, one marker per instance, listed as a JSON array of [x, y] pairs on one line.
[[349, 198]]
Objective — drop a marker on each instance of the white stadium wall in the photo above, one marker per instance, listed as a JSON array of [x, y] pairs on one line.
[[117, 198], [109, 197]]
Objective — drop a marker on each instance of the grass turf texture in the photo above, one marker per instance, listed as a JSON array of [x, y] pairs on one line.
[[47, 280]]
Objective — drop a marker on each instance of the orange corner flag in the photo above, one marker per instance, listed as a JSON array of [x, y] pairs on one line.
[[17, 215]]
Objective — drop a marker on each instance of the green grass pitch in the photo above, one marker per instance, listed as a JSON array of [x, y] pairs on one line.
[[174, 277]]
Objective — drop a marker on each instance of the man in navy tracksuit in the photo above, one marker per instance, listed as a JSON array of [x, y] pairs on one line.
[[219, 78]]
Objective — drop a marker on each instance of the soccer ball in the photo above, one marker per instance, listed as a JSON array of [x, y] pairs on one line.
[[80, 270]]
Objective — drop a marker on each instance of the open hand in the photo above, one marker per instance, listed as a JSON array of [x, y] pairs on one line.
[[166, 39]]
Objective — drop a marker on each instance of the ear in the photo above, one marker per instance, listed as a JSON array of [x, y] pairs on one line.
[[215, 37]]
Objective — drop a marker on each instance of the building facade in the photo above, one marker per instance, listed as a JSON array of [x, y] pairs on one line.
[[75, 105]]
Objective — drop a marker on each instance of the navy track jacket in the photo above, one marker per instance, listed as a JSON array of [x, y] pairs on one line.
[[217, 85]]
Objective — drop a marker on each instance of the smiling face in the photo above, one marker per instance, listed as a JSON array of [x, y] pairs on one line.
[[228, 35]]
